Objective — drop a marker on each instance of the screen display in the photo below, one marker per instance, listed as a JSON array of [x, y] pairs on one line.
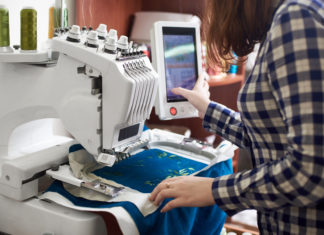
[[128, 132], [180, 59]]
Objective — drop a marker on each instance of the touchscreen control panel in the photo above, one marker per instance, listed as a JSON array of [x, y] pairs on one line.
[[176, 56]]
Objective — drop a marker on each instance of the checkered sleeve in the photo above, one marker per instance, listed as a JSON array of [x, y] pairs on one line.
[[295, 59], [227, 123]]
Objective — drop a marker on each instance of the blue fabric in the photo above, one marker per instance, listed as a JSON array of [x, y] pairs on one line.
[[75, 147], [205, 220], [147, 169], [145, 128]]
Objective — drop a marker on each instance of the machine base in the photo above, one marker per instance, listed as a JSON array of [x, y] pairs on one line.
[[34, 216]]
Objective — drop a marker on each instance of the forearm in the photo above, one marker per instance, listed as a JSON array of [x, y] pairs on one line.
[[227, 123], [287, 182]]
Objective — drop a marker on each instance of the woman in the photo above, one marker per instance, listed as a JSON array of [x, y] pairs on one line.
[[280, 118]]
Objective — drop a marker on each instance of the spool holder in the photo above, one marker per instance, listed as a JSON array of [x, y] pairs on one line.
[[6, 49]]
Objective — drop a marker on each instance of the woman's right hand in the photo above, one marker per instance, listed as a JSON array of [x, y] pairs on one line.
[[198, 96]]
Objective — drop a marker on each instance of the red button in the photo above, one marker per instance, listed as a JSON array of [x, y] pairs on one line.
[[173, 111]]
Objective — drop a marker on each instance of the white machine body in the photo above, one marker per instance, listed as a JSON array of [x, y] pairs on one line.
[[102, 100], [176, 56]]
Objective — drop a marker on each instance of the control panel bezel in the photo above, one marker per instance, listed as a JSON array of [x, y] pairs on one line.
[[165, 109]]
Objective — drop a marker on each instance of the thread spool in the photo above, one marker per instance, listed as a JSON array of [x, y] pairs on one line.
[[51, 22], [65, 15], [28, 29], [66, 18], [4, 30], [57, 18], [57, 14]]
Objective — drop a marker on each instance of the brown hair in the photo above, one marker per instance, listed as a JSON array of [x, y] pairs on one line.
[[235, 26]]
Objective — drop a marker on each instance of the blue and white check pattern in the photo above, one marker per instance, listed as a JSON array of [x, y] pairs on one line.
[[281, 120]]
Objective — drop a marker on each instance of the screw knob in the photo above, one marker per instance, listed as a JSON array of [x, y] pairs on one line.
[[111, 46], [123, 42], [92, 39], [113, 34], [102, 31], [74, 34]]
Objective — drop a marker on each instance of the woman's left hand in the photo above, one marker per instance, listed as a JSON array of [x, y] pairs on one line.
[[186, 191]]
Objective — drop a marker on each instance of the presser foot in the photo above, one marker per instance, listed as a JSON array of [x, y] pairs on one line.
[[64, 174], [101, 187], [111, 156]]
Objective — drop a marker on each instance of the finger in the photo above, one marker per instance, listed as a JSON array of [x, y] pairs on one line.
[[171, 205], [181, 91], [162, 185], [166, 193], [153, 194], [156, 190]]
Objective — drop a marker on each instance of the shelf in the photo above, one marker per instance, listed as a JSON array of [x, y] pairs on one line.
[[240, 228], [226, 79], [24, 57]]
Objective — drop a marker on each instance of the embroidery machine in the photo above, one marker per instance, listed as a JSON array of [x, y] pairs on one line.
[[101, 92]]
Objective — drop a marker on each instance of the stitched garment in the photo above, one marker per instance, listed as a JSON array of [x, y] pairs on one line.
[[157, 163], [281, 121]]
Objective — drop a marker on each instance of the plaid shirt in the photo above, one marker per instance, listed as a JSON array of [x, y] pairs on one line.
[[281, 120]]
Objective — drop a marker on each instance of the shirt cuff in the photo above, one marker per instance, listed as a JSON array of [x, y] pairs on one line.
[[214, 111], [226, 194]]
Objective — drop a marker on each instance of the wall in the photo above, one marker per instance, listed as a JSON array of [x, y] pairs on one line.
[[116, 14], [196, 7]]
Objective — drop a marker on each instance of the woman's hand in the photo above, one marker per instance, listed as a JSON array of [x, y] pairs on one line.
[[198, 96], [186, 191]]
